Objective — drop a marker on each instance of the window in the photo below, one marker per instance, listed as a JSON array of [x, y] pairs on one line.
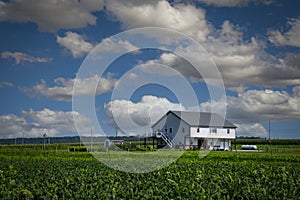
[[198, 130], [170, 130], [228, 131], [183, 130], [166, 130], [213, 130]]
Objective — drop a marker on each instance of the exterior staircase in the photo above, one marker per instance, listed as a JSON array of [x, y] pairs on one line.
[[168, 141]]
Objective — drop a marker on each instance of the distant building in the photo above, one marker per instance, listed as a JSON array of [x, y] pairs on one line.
[[201, 130]]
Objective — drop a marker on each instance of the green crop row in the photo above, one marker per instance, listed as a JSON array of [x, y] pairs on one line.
[[219, 175]]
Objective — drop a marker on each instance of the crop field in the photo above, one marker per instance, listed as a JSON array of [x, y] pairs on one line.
[[32, 173]]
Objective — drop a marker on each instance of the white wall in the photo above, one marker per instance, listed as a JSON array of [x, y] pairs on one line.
[[180, 129], [206, 133], [183, 134], [222, 143]]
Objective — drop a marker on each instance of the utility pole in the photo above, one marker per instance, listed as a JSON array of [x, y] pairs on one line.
[[91, 139], [23, 137], [269, 131], [44, 140]]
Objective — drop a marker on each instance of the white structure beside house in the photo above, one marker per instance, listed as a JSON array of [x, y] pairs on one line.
[[201, 130]]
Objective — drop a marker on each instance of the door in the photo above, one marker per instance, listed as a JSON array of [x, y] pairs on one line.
[[200, 143]]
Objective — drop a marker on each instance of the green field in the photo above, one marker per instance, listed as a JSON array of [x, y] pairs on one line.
[[28, 172]]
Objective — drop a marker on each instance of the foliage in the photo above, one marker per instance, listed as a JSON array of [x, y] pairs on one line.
[[28, 174], [266, 141]]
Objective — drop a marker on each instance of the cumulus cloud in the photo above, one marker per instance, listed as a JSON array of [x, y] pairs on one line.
[[75, 44], [63, 88], [226, 3], [113, 45], [78, 46], [36, 123], [127, 115], [292, 60], [169, 59], [251, 129], [184, 18], [259, 105], [51, 15], [241, 63], [246, 111], [288, 38], [234, 3], [263, 105], [6, 84], [11, 126], [20, 57]]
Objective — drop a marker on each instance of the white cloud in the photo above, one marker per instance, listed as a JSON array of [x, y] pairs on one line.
[[63, 89], [52, 15], [23, 57], [75, 43], [248, 110], [251, 129], [111, 45], [234, 3], [6, 84], [11, 126], [58, 120], [252, 107], [296, 91], [259, 105], [263, 105], [141, 115], [171, 60], [241, 63], [289, 38], [78, 46], [40, 122], [184, 18], [226, 3]]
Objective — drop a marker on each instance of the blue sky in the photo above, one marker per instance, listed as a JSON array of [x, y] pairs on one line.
[[254, 45]]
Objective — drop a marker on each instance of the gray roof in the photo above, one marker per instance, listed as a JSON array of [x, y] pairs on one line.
[[203, 119]]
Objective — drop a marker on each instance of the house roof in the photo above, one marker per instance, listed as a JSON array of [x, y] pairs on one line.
[[203, 119]]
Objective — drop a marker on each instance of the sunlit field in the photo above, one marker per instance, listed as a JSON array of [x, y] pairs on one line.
[[29, 172]]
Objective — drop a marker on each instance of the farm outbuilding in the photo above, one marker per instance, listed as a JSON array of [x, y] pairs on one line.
[[202, 130]]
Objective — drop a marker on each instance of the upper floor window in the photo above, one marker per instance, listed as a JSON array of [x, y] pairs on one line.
[[183, 130], [198, 130], [228, 131], [213, 130], [170, 130]]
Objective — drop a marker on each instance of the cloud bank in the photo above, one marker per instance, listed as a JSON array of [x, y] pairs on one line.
[[52, 15], [36, 123]]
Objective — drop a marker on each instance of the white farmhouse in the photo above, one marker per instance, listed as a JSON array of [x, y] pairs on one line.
[[177, 129]]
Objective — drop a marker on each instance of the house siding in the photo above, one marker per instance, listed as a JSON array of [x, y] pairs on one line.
[[188, 136], [180, 129], [206, 133]]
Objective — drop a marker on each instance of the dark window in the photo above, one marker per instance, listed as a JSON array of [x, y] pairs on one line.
[[228, 131], [166, 130], [183, 130], [198, 130], [213, 130], [170, 130]]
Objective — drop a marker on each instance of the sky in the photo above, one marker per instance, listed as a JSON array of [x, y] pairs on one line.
[[251, 46]]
